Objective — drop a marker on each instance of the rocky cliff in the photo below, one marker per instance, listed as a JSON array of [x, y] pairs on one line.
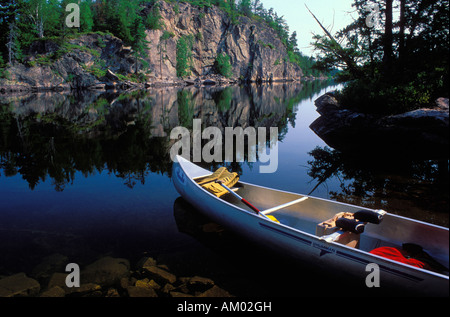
[[101, 60], [256, 53]]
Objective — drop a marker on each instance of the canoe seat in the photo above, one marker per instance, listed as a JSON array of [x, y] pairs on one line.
[[222, 174]]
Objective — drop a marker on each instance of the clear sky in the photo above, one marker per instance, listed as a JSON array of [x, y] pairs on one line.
[[333, 14]]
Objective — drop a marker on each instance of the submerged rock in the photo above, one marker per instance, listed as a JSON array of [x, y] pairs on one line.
[[55, 291], [19, 285], [49, 265], [215, 291], [180, 295], [160, 275], [136, 291], [86, 290], [58, 279], [199, 284], [106, 271], [111, 277]]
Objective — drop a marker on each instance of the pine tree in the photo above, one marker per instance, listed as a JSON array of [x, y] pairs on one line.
[[8, 12], [12, 44], [223, 65], [118, 17], [388, 41], [245, 7], [405, 60], [153, 20], [44, 17], [184, 55], [139, 43], [257, 7], [86, 16], [292, 42]]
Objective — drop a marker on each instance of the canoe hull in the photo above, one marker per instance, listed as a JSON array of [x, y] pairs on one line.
[[303, 246]]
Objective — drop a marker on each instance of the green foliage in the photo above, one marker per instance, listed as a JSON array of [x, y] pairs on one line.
[[230, 7], [224, 99], [185, 108], [64, 48], [101, 43], [166, 35], [223, 65], [139, 43], [201, 3], [184, 55], [245, 7], [95, 70], [124, 18], [378, 96], [86, 16], [3, 71], [45, 60], [153, 20], [269, 45], [199, 36], [8, 12], [69, 47], [41, 19], [70, 78], [391, 74]]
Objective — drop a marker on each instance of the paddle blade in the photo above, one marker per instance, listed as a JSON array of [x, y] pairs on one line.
[[222, 175], [273, 218]]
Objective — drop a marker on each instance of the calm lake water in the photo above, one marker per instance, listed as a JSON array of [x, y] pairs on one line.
[[89, 175]]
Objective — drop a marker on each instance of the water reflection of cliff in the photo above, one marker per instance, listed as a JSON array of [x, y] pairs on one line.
[[51, 135]]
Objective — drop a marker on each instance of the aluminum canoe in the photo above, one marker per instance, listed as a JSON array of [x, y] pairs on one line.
[[296, 232]]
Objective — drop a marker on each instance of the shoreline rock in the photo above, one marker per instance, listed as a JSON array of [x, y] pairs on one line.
[[124, 86], [108, 277], [112, 85], [19, 285], [422, 132]]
